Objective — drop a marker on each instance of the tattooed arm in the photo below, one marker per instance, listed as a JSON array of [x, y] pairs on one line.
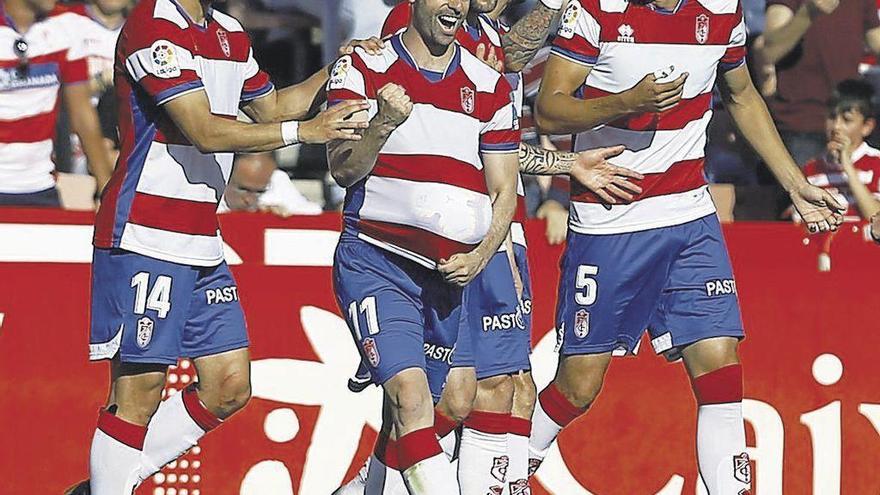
[[590, 168], [527, 36]]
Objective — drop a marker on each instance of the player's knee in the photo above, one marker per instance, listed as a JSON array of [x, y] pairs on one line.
[[495, 393], [459, 402], [411, 404], [231, 395]]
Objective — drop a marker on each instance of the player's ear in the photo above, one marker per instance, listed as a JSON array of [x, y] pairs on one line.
[[868, 126]]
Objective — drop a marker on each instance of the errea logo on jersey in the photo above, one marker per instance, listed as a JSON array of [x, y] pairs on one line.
[[720, 287], [626, 33]]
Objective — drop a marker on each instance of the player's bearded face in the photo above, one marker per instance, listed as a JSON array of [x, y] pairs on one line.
[[483, 6], [438, 20]]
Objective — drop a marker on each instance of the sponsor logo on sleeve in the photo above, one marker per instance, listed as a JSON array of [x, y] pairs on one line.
[[569, 20], [144, 332], [165, 63], [339, 73]]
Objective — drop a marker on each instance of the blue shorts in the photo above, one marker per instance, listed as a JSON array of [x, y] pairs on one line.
[[495, 332], [401, 314], [152, 311], [676, 282]]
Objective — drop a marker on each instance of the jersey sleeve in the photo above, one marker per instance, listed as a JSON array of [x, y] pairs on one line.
[[257, 83], [75, 67], [347, 80], [397, 19], [577, 38], [735, 54], [500, 134], [160, 60]]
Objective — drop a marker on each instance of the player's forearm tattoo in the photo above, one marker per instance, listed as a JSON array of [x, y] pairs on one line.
[[538, 161], [526, 37]]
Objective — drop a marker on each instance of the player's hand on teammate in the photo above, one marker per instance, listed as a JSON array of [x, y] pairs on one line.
[[652, 96], [334, 123], [556, 217], [817, 207], [609, 182], [394, 105], [372, 45], [461, 268], [487, 55]]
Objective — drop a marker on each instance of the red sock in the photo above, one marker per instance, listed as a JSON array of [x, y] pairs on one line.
[[443, 424], [197, 411], [557, 407], [721, 386], [417, 446], [386, 451]]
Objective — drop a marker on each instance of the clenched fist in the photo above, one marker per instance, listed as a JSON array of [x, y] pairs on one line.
[[650, 96], [394, 104]]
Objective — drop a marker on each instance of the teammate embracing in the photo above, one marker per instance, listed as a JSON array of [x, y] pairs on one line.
[[646, 71], [160, 287]]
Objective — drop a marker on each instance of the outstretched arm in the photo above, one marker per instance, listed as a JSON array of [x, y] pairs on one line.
[[529, 34], [818, 208], [84, 122]]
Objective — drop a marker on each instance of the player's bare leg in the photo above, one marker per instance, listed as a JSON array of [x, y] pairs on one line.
[[456, 404], [577, 383], [524, 395], [716, 377], [116, 451], [426, 469], [182, 419]]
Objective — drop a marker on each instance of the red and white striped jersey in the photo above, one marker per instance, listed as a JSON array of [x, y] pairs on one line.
[[29, 96], [622, 42], [162, 199], [488, 33], [99, 40], [426, 198], [828, 175]]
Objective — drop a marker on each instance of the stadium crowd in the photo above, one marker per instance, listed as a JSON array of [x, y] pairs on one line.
[[813, 60]]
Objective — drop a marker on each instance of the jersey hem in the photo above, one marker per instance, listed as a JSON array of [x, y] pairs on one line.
[[639, 227], [164, 256]]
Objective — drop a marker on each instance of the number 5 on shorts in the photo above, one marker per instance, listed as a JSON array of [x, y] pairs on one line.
[[587, 287]]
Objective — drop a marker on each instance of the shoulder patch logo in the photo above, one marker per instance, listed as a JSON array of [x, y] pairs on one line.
[[224, 42], [339, 73], [165, 64], [702, 29], [467, 100], [569, 20]]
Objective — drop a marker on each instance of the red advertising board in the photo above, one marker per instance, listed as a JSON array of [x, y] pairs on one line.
[[812, 379]]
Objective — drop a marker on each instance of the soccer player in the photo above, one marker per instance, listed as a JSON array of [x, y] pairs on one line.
[[421, 217], [658, 262], [160, 287]]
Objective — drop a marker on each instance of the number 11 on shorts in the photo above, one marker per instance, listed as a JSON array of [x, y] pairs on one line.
[[368, 307], [587, 287]]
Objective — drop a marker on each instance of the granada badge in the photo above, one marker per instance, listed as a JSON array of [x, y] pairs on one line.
[[371, 351], [467, 100], [581, 323], [144, 332], [702, 29], [224, 42]]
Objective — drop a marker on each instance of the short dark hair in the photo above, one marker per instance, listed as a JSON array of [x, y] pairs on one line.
[[852, 94]]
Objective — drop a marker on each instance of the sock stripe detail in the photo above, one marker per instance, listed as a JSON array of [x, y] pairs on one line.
[[416, 446], [197, 411], [722, 386], [488, 422], [121, 430], [443, 424], [520, 426], [557, 407], [386, 451]]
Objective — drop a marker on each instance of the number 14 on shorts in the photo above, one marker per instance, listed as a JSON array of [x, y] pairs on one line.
[[157, 298]]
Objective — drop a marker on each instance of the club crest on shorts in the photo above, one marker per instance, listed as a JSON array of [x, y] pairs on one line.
[[224, 42], [371, 351], [581, 323], [467, 100], [742, 468], [144, 332], [702, 29], [499, 467]]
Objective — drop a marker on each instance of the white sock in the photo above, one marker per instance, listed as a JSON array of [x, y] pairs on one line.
[[482, 459], [356, 485], [721, 447], [426, 469], [177, 426], [448, 444], [552, 413], [115, 456], [382, 480], [518, 453]]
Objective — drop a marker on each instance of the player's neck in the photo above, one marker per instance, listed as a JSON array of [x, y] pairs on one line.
[[434, 58], [195, 9], [666, 4], [21, 14]]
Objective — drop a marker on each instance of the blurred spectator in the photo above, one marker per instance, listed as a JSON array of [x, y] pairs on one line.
[[257, 185], [43, 53], [849, 167], [814, 44]]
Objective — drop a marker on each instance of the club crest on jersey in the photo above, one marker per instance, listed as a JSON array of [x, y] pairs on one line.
[[339, 72], [371, 351], [224, 42], [569, 20], [582, 323], [499, 468], [467, 100], [144, 332], [165, 64], [626, 34], [742, 468], [702, 29]]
